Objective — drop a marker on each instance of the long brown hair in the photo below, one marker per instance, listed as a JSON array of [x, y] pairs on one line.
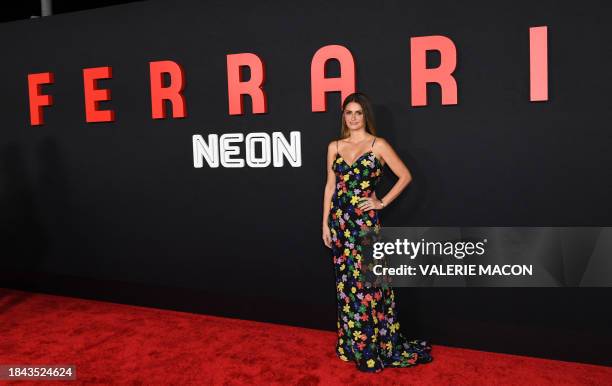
[[366, 106]]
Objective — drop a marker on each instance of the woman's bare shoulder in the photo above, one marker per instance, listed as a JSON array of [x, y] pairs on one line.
[[332, 145], [382, 142]]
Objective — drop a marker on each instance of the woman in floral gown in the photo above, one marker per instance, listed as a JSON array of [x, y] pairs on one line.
[[368, 327]]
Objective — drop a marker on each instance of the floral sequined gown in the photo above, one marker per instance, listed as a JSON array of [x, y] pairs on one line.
[[368, 328]]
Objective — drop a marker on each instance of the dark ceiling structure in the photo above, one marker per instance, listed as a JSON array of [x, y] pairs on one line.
[[23, 10]]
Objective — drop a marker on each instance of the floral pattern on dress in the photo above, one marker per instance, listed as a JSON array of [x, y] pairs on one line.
[[368, 329]]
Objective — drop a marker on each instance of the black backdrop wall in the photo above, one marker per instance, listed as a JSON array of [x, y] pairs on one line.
[[117, 211]]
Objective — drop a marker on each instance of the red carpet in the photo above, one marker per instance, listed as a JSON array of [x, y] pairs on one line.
[[112, 343]]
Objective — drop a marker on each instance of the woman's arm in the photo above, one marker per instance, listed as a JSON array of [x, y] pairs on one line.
[[397, 166], [330, 185]]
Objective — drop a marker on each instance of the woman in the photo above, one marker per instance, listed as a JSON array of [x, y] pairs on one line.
[[368, 329]]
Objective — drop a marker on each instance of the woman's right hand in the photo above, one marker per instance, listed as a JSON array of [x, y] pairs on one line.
[[327, 236]]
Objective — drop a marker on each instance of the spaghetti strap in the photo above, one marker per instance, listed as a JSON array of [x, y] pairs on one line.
[[373, 143], [336, 146]]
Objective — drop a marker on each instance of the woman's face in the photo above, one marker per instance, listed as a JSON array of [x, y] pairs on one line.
[[353, 116]]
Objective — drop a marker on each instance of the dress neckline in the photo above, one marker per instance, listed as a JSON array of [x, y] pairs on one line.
[[358, 158]]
